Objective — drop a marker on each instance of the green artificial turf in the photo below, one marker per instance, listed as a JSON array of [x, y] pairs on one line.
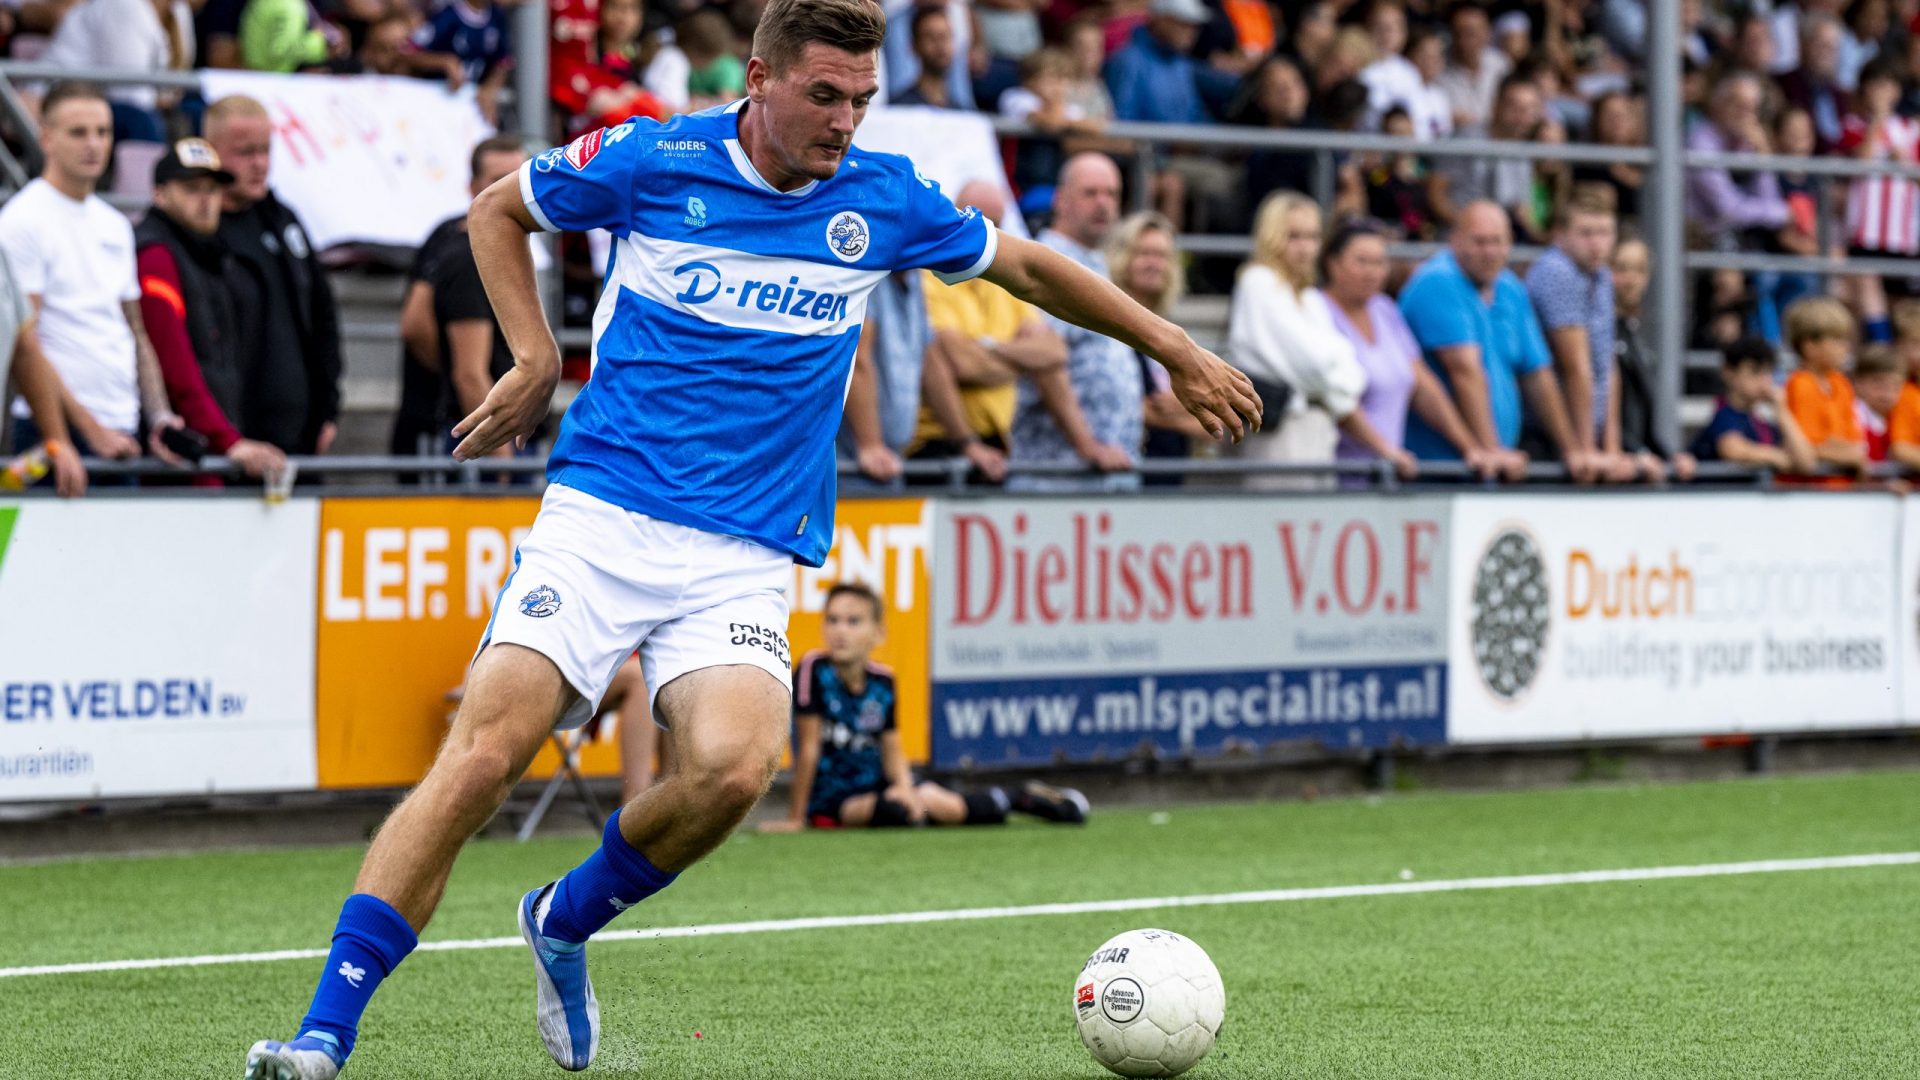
[[1797, 975]]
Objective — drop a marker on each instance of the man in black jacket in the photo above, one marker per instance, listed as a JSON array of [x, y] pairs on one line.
[[293, 386]]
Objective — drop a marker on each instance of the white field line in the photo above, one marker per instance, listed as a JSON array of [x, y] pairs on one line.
[[1087, 907]]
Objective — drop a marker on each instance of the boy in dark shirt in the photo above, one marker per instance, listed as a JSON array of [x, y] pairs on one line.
[[848, 767], [1736, 433]]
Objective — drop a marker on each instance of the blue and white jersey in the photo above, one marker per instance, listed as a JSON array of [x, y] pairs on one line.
[[723, 343]]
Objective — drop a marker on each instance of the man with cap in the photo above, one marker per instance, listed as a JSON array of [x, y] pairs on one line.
[[1155, 78], [188, 284]]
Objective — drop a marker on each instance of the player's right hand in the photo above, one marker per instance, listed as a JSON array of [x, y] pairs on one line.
[[513, 410]]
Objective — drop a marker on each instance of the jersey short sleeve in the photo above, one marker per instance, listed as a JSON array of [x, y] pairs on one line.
[[956, 244], [588, 183]]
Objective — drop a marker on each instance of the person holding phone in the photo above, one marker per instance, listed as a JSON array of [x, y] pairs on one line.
[[187, 302]]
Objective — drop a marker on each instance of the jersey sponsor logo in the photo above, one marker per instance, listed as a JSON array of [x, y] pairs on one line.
[[585, 148], [541, 602], [848, 236], [761, 637], [696, 212], [681, 147], [702, 282]]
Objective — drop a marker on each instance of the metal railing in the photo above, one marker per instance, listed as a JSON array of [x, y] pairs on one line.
[[510, 476]]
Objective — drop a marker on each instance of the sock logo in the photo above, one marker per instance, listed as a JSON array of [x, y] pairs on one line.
[[352, 974], [618, 904]]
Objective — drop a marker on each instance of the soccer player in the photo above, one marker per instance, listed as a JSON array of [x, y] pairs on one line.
[[848, 767], [689, 475]]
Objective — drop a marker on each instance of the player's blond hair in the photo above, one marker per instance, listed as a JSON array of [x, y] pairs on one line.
[[787, 27]]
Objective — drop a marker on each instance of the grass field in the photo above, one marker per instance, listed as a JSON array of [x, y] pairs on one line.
[[1791, 975]]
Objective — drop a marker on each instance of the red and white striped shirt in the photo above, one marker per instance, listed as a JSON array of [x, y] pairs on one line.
[[1883, 212]]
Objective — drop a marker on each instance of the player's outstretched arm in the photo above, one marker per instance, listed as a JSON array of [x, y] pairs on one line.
[[1217, 395], [498, 227]]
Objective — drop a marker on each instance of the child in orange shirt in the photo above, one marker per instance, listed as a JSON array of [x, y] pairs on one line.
[[1820, 331], [1903, 421], [1877, 379]]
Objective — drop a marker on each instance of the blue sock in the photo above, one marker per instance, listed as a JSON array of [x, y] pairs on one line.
[[1880, 330], [612, 879], [369, 941]]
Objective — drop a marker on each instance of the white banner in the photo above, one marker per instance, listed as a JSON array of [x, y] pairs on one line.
[[1604, 617], [368, 158], [1085, 627], [156, 647], [1909, 609], [949, 147]]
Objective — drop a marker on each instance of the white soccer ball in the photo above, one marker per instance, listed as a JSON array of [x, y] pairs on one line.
[[1149, 1003]]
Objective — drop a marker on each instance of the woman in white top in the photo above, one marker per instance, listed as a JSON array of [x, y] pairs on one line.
[[1281, 330]]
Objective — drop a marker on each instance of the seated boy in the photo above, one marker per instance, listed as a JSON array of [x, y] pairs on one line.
[[1877, 381], [1736, 433], [848, 768]]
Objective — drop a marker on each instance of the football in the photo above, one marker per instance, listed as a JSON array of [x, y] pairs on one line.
[[1148, 1003]]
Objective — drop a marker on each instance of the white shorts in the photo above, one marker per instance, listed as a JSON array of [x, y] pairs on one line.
[[592, 582]]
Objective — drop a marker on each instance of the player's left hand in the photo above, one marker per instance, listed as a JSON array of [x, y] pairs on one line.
[[1218, 395], [158, 447], [513, 410]]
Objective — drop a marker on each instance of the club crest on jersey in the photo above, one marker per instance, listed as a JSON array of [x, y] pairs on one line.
[[847, 236], [543, 601]]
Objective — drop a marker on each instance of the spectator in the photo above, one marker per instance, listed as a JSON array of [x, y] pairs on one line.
[[1042, 100], [1815, 84], [1275, 98], [292, 393], [1475, 69], [1571, 287], [1877, 381], [1155, 79], [23, 362], [1010, 29], [1315, 25], [1399, 187], [1094, 415], [883, 394], [1354, 263], [130, 35], [1351, 54], [718, 75], [187, 303], [1087, 88], [1507, 182], [72, 255], [1868, 23], [1744, 212], [466, 339], [1513, 36], [1281, 330], [1638, 370], [1883, 212], [1903, 423], [1147, 268], [1906, 337], [984, 341], [478, 33], [1738, 432], [933, 47], [1757, 52], [286, 35], [1391, 79], [1425, 101], [1724, 310], [599, 83], [1619, 119], [901, 53], [1478, 332], [1820, 332]]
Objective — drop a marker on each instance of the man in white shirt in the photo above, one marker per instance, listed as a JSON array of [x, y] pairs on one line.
[[73, 256], [1474, 67]]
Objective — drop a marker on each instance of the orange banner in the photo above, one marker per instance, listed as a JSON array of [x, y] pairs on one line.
[[407, 586]]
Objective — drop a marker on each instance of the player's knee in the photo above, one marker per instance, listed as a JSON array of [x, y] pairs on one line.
[[737, 785], [890, 813]]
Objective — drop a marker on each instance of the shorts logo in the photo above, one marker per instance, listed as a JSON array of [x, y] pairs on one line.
[[847, 236], [540, 603], [755, 637], [585, 148]]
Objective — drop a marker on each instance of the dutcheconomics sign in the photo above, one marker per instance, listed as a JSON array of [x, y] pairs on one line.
[[1594, 617]]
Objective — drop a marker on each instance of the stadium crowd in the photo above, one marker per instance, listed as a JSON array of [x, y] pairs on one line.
[[1470, 355]]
